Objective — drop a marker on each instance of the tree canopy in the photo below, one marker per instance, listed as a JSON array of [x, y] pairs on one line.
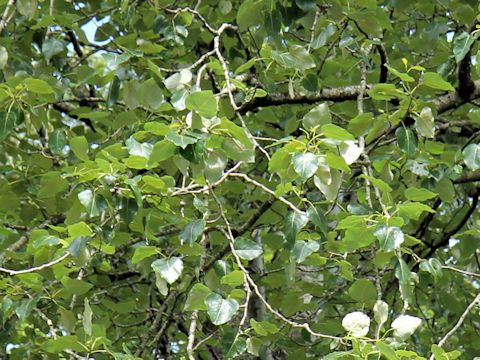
[[216, 179]]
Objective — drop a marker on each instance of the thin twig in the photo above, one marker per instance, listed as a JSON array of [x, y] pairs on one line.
[[459, 323], [266, 189], [464, 272], [36, 268], [6, 17], [228, 233]]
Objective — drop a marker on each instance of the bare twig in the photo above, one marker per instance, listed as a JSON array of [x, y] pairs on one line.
[[464, 272], [459, 323], [191, 335], [6, 17], [36, 268], [228, 233], [267, 190]]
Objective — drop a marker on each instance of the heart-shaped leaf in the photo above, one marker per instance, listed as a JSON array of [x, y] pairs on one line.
[[247, 249], [220, 310], [170, 269], [390, 237], [305, 164]]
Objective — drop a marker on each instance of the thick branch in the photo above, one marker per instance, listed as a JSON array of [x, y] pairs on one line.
[[454, 100], [446, 237], [468, 178], [337, 94]]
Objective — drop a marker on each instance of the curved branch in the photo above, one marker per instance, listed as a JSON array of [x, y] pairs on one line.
[[36, 268]]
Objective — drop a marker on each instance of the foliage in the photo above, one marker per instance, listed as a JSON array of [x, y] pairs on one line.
[[231, 179]]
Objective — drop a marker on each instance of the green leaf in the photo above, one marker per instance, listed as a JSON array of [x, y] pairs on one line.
[[8, 122], [170, 269], [143, 252], [263, 328], [380, 311], [79, 146], [114, 91], [363, 291], [424, 123], [387, 351], [321, 39], [42, 237], [62, 343], [192, 231], [234, 278], [461, 45], [413, 210], [249, 13], [389, 237], [335, 132], [75, 286], [294, 222], [77, 246], [94, 204], [435, 81], [27, 7], [196, 298], [238, 347], [402, 76], [359, 124], [471, 156], [3, 57], [87, 317], [402, 271], [162, 150], [305, 164], [139, 149], [406, 140], [215, 163], [247, 249], [57, 141], [150, 95], [317, 217], [384, 92], [380, 184], [38, 86], [433, 266], [52, 47], [180, 140], [316, 117], [303, 249], [222, 267], [220, 310], [356, 238], [419, 194], [306, 5], [203, 103]]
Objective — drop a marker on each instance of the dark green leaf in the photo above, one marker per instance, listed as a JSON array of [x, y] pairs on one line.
[[305, 165], [294, 222], [406, 140], [192, 231]]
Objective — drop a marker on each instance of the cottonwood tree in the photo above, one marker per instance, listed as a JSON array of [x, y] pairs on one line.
[[239, 179]]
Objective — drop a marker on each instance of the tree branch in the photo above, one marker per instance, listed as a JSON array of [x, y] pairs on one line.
[[457, 228], [459, 323], [6, 17], [36, 268]]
